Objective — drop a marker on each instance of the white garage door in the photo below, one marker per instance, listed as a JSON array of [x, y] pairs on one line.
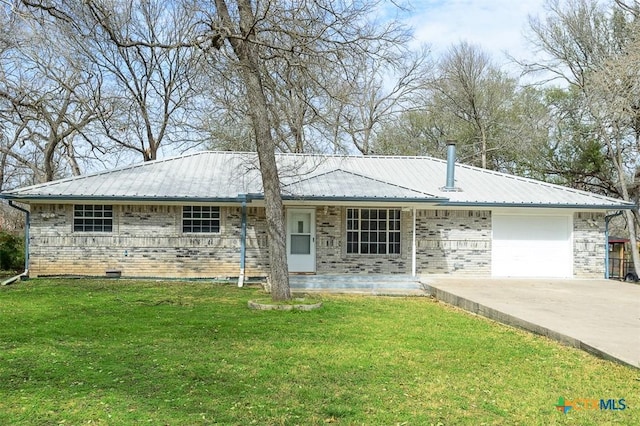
[[531, 246]]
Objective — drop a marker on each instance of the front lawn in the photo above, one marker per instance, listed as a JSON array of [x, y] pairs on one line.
[[130, 352]]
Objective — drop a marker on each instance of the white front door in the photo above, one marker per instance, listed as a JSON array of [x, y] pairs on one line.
[[301, 240]]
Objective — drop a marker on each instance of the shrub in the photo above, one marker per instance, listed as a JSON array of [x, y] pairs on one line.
[[11, 251]]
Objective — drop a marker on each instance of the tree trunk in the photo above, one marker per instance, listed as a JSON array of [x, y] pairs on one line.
[[259, 112], [249, 63], [631, 225], [49, 151], [278, 268], [618, 162], [483, 155]]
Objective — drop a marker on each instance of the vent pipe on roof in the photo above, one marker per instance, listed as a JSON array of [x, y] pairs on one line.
[[451, 167]]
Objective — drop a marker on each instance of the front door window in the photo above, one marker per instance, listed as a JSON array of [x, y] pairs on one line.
[[301, 254], [301, 233]]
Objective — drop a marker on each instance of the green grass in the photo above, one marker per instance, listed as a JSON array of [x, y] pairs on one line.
[[169, 353]]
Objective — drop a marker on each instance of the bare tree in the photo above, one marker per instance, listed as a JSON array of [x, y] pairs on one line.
[[613, 99], [379, 92], [471, 100], [472, 89], [49, 99], [5, 104], [574, 35], [143, 51], [242, 35], [317, 102], [420, 132]]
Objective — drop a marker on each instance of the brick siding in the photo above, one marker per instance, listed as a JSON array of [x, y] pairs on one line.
[[453, 242], [147, 242], [331, 250]]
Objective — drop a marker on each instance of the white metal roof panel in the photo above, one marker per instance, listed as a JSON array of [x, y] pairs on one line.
[[224, 175], [339, 183]]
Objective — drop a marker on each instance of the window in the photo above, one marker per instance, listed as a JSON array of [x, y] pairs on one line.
[[90, 218], [200, 219], [373, 231]]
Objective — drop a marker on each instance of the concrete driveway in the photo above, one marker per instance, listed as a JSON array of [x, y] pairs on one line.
[[599, 316]]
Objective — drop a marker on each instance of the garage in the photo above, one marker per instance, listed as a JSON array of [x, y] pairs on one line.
[[531, 246]]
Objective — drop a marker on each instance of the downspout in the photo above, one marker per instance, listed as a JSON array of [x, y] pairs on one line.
[[413, 246], [243, 239], [27, 224], [607, 219]]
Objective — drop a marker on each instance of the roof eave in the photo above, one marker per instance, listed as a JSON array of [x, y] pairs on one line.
[[622, 206], [84, 198], [443, 202]]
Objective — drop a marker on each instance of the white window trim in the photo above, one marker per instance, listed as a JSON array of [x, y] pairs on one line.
[[83, 217], [359, 230], [182, 219]]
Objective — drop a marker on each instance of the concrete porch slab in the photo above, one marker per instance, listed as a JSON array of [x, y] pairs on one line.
[[392, 285]]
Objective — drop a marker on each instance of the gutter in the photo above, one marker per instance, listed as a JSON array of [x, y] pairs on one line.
[[537, 205], [119, 198], [607, 219], [26, 245], [435, 200], [413, 244]]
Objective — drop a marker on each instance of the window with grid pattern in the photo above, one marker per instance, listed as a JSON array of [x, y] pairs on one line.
[[92, 218], [201, 219], [373, 231]]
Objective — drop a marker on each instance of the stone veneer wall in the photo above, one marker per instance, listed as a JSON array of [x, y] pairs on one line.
[[453, 242], [146, 242], [588, 245]]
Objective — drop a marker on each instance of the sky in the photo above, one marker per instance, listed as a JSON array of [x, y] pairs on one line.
[[495, 25]]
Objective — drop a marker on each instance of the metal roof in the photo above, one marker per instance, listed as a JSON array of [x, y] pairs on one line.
[[342, 184], [224, 176]]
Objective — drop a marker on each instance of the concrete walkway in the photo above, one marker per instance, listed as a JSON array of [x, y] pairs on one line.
[[599, 316]]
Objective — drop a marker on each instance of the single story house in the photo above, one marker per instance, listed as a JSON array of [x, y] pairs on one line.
[[202, 215]]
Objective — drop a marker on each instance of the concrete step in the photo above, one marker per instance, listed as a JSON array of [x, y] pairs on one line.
[[354, 282]]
